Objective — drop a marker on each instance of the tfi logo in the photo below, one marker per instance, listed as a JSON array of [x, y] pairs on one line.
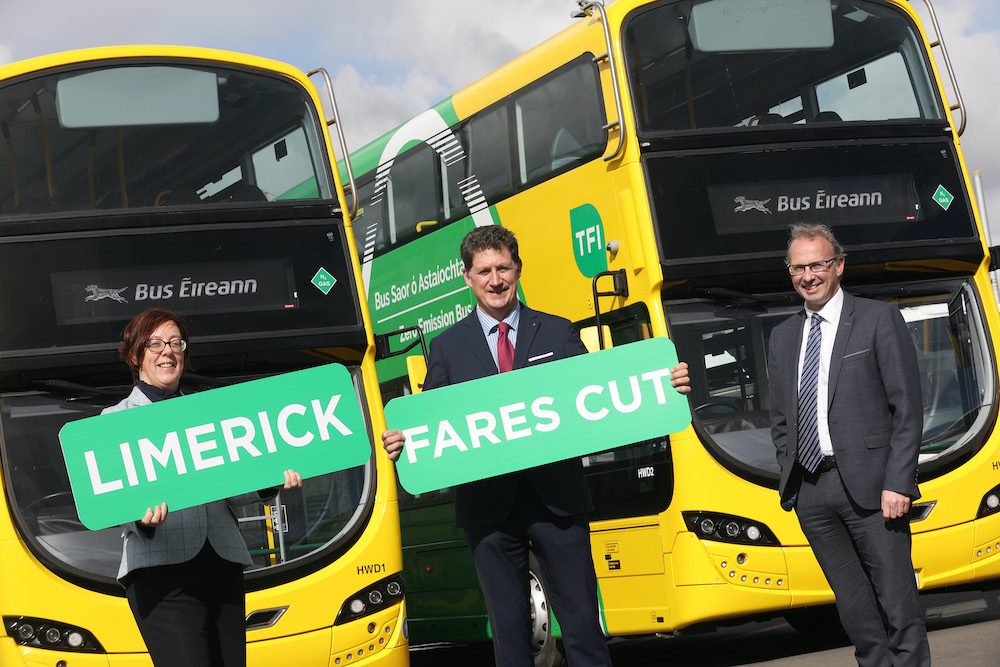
[[588, 240]]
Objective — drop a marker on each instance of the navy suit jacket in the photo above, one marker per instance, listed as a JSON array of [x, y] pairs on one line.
[[875, 406], [460, 354]]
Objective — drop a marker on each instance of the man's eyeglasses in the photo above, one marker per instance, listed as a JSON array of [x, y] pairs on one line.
[[156, 345], [816, 267]]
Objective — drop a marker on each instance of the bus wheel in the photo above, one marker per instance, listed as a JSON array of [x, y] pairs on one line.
[[546, 648]]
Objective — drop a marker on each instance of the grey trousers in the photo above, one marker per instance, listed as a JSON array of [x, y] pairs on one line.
[[867, 562]]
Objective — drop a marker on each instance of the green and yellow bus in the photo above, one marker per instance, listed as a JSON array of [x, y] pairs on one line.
[[199, 181], [650, 159]]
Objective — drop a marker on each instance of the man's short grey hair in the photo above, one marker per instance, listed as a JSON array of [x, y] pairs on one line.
[[801, 230]]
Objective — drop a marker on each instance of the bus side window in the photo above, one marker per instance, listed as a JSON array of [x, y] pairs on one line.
[[412, 193], [559, 122], [486, 139]]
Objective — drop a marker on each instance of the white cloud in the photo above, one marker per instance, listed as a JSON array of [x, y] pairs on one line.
[[6, 54], [369, 107]]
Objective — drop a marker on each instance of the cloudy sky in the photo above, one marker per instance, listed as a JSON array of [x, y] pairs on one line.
[[390, 59]]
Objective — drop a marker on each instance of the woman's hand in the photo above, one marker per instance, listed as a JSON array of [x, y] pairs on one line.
[[154, 515], [293, 480]]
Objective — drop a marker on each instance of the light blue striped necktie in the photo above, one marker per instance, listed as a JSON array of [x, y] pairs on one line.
[[809, 451]]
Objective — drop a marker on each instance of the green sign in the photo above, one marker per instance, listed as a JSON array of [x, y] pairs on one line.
[[212, 445], [589, 246], [537, 415], [323, 281], [943, 197]]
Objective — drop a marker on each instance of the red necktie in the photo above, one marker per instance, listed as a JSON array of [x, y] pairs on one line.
[[505, 351]]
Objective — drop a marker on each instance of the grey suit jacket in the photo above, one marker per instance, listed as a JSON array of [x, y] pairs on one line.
[[875, 409], [183, 534]]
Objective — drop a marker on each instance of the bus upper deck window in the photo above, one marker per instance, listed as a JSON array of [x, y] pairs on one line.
[[717, 63]]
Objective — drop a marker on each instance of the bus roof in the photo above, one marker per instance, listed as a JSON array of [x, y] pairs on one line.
[[143, 51]]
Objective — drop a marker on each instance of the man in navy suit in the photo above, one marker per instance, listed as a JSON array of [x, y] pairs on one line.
[[846, 419], [546, 506]]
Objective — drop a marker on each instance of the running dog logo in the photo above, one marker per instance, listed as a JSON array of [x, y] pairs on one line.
[[743, 205], [98, 293]]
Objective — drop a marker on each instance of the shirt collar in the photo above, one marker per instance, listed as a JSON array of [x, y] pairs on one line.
[[830, 312], [489, 324]]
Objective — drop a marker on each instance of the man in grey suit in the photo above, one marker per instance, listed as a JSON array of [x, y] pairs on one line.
[[846, 420]]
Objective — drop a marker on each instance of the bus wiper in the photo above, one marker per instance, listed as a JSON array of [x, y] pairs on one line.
[[727, 294], [901, 291], [73, 389], [204, 381]]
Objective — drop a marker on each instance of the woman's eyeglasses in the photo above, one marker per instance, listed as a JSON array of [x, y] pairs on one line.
[[156, 345]]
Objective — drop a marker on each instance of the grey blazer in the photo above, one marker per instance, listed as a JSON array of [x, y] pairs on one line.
[[874, 401], [183, 534]]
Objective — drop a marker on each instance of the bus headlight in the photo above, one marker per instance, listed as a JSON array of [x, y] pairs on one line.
[[43, 633], [371, 599], [729, 528], [990, 504]]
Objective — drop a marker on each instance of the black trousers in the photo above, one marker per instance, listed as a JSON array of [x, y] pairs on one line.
[[867, 562], [191, 614], [562, 544]]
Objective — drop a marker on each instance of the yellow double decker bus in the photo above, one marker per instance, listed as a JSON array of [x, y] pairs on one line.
[[650, 159], [199, 181]]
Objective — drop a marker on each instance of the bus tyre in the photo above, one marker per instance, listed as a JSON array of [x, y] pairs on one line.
[[547, 649]]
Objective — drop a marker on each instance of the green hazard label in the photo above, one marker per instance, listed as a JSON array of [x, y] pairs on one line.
[[213, 445], [943, 197], [324, 281], [537, 415], [588, 240]]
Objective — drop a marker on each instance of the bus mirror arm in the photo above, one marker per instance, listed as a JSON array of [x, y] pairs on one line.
[[620, 282], [335, 120], [994, 258], [383, 348], [589, 8]]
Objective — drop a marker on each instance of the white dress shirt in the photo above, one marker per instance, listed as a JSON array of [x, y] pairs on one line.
[[828, 327]]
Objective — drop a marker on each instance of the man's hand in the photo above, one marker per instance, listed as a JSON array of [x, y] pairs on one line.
[[679, 378], [894, 505], [154, 515], [393, 441]]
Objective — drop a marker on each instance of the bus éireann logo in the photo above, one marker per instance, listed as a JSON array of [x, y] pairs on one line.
[[743, 205], [587, 230], [98, 293]]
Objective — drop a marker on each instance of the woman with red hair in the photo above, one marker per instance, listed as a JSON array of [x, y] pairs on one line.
[[183, 576]]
